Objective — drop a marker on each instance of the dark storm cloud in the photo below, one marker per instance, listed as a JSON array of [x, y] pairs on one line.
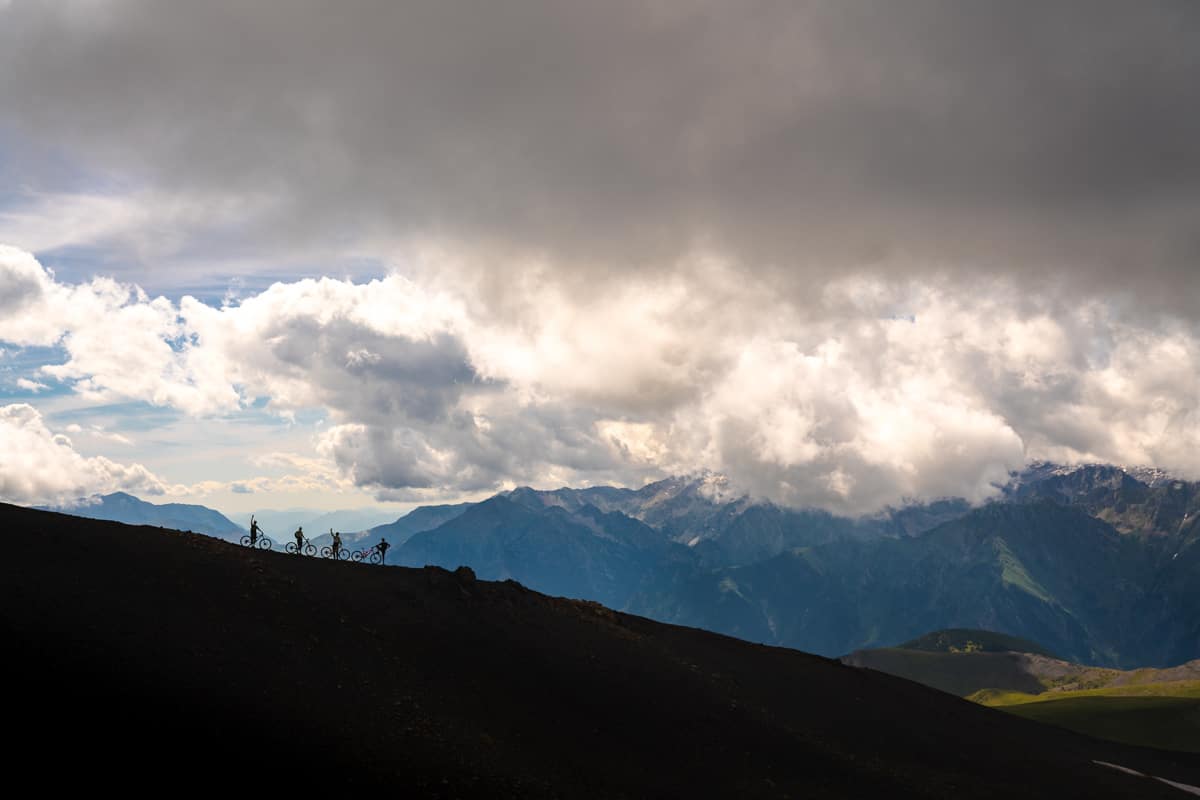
[[368, 375], [524, 445], [847, 252], [1019, 136]]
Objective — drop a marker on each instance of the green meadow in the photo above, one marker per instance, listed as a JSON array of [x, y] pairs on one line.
[[1151, 720], [1149, 707]]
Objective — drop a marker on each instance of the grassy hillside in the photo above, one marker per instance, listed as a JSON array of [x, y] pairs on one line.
[[1151, 707], [1169, 722], [150, 658], [1181, 689]]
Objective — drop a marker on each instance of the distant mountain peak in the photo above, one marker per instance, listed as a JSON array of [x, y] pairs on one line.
[[1151, 476], [714, 487], [1043, 470], [124, 507], [717, 487]]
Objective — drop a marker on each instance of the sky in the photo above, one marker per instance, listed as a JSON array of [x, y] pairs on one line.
[[847, 254]]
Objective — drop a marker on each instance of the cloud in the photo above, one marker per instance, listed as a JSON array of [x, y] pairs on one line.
[[98, 433], [40, 467], [846, 256], [31, 386], [1052, 142], [866, 394], [119, 342], [22, 280]]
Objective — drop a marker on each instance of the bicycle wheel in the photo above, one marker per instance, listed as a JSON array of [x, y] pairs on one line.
[[310, 549], [376, 557], [344, 554], [245, 541], [290, 547], [357, 556], [265, 544]]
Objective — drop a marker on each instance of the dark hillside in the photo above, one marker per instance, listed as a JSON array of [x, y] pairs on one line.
[[139, 658]]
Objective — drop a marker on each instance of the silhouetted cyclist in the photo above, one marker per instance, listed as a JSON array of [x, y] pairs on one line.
[[254, 532], [337, 544], [382, 547], [299, 540]]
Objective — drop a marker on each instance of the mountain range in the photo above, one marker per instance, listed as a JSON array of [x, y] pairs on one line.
[[1098, 563], [279, 524], [123, 507]]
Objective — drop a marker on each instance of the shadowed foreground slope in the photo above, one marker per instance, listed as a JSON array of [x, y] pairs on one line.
[[140, 655]]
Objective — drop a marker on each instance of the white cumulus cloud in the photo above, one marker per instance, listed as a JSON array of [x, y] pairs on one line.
[[867, 393], [40, 467]]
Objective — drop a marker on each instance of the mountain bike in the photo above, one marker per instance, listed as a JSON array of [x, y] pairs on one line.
[[263, 543], [340, 555], [371, 555], [306, 549]]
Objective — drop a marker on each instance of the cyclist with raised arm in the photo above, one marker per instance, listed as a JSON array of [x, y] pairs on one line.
[[337, 544], [255, 531]]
